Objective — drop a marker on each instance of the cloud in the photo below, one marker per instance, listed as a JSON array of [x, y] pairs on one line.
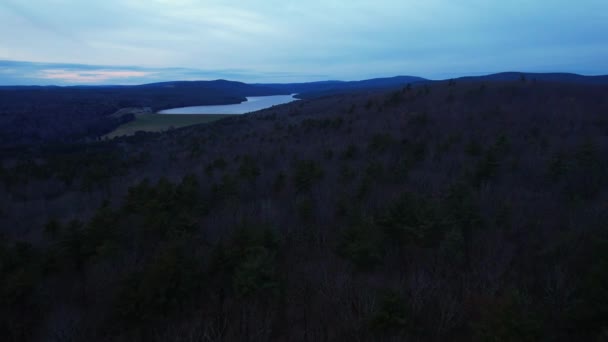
[[345, 40], [92, 76], [28, 73]]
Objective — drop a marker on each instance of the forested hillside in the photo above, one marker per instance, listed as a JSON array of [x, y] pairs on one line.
[[453, 211], [42, 115]]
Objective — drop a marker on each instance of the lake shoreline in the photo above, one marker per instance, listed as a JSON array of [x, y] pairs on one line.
[[253, 104]]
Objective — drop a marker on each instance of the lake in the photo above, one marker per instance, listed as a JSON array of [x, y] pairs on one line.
[[252, 104]]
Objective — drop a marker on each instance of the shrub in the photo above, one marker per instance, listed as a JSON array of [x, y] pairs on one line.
[[351, 152], [591, 311], [502, 145], [361, 244], [187, 193], [256, 272], [218, 163], [414, 152], [462, 212], [412, 219], [557, 167], [20, 303], [279, 182], [507, 319], [486, 168], [380, 142], [249, 169], [347, 174], [306, 209], [74, 247], [365, 187], [419, 119], [394, 99], [102, 235], [52, 228], [307, 173], [374, 169], [352, 108], [166, 286], [227, 189], [246, 263], [392, 314], [474, 148]]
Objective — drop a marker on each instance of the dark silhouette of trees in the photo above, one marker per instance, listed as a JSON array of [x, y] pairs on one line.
[[482, 219]]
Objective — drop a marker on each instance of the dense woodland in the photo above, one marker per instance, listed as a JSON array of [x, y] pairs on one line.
[[59, 115], [453, 211]]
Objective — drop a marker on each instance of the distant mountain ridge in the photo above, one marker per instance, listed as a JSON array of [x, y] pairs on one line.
[[344, 85], [329, 87], [234, 87], [220, 85], [544, 77], [261, 89], [42, 114]]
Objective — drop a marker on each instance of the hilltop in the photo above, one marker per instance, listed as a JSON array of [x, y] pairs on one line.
[[464, 210], [31, 116]]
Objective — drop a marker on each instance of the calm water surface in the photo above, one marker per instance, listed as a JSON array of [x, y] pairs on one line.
[[251, 105]]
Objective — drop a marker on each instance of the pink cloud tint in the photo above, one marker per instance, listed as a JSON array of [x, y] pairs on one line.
[[90, 76]]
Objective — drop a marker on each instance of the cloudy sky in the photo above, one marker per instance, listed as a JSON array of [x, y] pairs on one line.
[[138, 41]]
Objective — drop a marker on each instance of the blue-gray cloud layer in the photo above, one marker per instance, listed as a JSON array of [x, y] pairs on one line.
[[285, 40], [30, 73]]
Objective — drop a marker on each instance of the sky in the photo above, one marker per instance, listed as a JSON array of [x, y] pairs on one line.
[[67, 42]]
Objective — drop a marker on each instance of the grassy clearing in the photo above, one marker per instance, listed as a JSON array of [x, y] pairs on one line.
[[163, 122]]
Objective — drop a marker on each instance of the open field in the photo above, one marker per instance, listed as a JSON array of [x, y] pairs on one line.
[[163, 122]]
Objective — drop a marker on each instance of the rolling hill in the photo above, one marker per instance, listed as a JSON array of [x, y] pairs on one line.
[[466, 210], [42, 115]]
